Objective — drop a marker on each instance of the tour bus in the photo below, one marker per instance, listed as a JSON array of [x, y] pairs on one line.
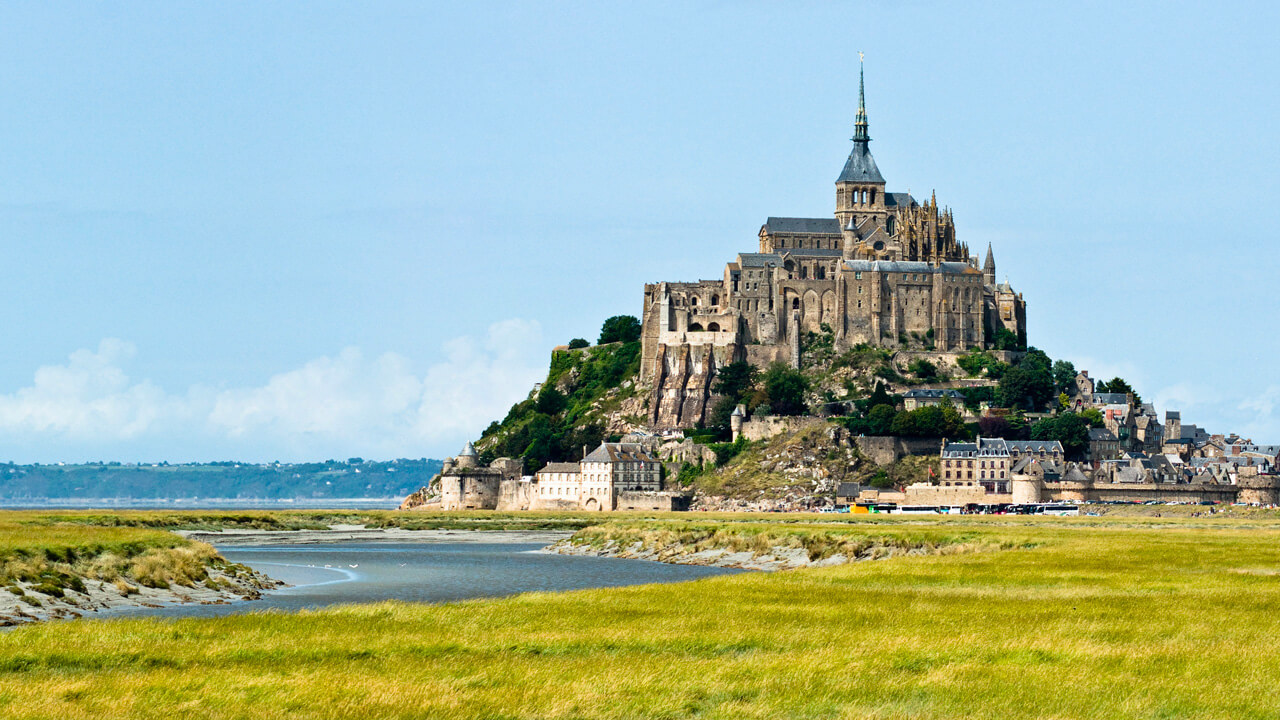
[[1058, 509], [916, 510]]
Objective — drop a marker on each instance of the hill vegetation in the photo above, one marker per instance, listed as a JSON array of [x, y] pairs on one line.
[[570, 409]]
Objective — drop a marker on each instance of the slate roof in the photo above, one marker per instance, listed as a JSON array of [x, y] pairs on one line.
[[1172, 415], [1110, 399], [914, 266], [561, 468], [469, 451], [1101, 435], [807, 226], [755, 260], [933, 393], [619, 452], [860, 167], [899, 200], [1034, 446], [984, 447]]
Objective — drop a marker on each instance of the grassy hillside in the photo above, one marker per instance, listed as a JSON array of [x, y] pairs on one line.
[[580, 403], [1083, 618]]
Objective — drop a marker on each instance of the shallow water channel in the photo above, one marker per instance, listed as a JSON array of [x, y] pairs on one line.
[[357, 572]]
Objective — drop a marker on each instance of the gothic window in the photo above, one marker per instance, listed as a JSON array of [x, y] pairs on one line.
[[715, 299], [804, 272], [693, 300], [795, 303], [713, 327], [888, 225], [873, 197], [821, 273]]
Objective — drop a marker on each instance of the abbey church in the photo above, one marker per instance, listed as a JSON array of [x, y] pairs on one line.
[[884, 270]]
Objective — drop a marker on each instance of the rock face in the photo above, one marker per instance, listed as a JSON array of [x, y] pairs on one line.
[[423, 499]]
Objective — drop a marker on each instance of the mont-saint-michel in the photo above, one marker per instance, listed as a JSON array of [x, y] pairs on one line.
[[566, 362], [865, 360]]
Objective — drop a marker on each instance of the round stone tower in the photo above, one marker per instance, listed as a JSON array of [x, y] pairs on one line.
[[1027, 489]]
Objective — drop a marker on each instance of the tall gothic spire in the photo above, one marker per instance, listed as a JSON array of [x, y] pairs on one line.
[[860, 123], [860, 167]]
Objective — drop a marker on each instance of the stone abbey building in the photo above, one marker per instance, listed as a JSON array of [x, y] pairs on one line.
[[884, 270]]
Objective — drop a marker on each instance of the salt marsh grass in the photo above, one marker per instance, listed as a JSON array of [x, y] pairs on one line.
[[1071, 619]]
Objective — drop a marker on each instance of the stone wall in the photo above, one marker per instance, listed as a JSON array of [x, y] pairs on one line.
[[885, 450], [766, 426], [659, 501]]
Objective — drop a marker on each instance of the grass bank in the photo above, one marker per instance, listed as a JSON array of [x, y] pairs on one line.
[[767, 546], [1100, 619], [50, 568]]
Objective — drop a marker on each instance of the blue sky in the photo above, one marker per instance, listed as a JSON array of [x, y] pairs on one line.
[[307, 230]]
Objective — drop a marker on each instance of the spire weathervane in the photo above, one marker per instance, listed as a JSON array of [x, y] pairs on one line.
[[860, 123]]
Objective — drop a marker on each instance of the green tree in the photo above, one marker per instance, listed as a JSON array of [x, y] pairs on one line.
[[620, 328], [735, 380], [551, 401], [786, 388], [880, 420], [1004, 339], [1029, 384], [720, 414], [1070, 429], [923, 369], [1094, 416], [578, 343], [1064, 375]]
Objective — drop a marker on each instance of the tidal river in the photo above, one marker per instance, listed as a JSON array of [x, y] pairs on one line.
[[354, 571]]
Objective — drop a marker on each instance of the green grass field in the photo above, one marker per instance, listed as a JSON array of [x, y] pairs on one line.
[[1057, 618]]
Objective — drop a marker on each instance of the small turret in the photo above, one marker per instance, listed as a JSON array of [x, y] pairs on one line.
[[468, 458], [989, 268]]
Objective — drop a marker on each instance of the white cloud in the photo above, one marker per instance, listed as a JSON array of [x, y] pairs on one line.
[[335, 406], [1262, 415], [89, 397]]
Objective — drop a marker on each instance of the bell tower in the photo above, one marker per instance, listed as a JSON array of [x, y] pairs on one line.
[[860, 187]]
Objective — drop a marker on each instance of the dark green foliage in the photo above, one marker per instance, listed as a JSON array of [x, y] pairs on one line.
[[1003, 339], [735, 380], [785, 388], [551, 401], [975, 396], [718, 419], [923, 369], [1064, 376], [1094, 416], [1070, 429], [880, 419], [881, 480], [880, 396], [1029, 384], [728, 451], [976, 362], [620, 328], [929, 421], [578, 343]]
